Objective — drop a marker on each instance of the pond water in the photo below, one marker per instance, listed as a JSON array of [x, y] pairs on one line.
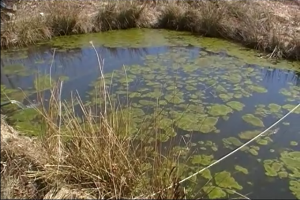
[[213, 94]]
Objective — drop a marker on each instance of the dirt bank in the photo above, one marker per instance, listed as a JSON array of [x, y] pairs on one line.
[[270, 26], [20, 156]]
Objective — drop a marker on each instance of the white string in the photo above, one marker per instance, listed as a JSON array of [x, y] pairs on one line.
[[229, 154]]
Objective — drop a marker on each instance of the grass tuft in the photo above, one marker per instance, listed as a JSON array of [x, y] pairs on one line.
[[62, 17]]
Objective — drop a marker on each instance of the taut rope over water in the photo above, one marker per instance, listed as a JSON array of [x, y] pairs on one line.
[[231, 153]]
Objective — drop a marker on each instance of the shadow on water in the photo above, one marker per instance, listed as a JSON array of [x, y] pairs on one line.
[[231, 95]]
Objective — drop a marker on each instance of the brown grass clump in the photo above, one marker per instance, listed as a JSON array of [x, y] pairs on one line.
[[122, 15], [24, 32], [62, 17], [246, 22]]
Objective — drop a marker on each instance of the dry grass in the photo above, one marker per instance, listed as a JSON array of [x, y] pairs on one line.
[[255, 24]]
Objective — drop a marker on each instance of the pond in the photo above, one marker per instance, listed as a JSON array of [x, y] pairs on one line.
[[211, 94]]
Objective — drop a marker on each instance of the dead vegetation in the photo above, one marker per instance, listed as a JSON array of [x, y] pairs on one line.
[[270, 26]]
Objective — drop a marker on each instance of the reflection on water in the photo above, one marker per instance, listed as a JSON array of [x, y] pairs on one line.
[[216, 100]]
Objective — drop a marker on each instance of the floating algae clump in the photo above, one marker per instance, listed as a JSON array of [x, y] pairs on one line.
[[175, 98], [15, 69], [206, 174], [211, 144], [247, 135], [275, 108], [241, 169], [43, 82], [293, 143], [295, 188], [251, 119], [272, 167], [232, 141], [283, 174], [226, 97], [253, 152], [214, 192], [287, 167], [202, 159], [28, 121], [225, 180], [257, 88], [262, 141], [219, 110], [236, 105], [208, 125], [285, 92], [291, 160], [289, 107], [188, 121]]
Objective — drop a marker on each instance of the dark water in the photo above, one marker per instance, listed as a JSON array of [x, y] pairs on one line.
[[186, 73]]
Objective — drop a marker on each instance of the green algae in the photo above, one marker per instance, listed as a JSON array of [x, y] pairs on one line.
[[247, 135], [287, 166], [231, 142], [43, 82], [253, 152], [146, 103], [275, 108], [251, 119], [208, 124], [249, 183], [295, 188], [293, 143], [208, 144], [204, 160], [241, 169], [219, 110], [272, 167], [16, 69], [257, 88], [283, 174], [207, 174], [285, 92], [28, 122], [8, 93], [226, 97], [236, 105], [225, 180], [289, 107], [188, 121], [262, 141], [220, 89], [255, 147], [214, 192], [175, 98]]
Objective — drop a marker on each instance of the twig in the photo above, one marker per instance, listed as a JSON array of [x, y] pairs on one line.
[[241, 195], [59, 125], [101, 65], [52, 61]]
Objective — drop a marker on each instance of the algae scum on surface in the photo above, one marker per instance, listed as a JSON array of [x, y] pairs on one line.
[[190, 89]]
